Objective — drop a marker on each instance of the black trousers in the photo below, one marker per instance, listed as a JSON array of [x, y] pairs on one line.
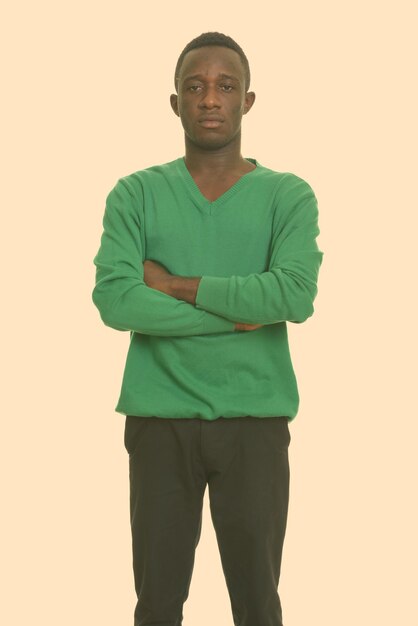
[[244, 460]]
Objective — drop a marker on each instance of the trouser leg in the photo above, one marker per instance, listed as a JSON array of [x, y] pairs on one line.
[[247, 467], [167, 485]]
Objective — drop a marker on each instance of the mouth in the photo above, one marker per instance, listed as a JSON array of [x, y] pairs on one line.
[[210, 122]]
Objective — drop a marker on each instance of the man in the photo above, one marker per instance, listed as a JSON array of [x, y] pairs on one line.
[[204, 260]]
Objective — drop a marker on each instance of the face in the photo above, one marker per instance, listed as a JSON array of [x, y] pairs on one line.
[[211, 98]]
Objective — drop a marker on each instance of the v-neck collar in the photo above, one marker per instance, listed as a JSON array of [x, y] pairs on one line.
[[206, 205]]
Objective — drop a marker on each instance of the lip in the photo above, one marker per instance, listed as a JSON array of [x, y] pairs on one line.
[[210, 122]]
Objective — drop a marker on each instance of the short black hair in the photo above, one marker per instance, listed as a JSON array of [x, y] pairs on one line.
[[214, 39]]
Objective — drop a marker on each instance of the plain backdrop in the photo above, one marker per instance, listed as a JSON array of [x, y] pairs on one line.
[[86, 89]]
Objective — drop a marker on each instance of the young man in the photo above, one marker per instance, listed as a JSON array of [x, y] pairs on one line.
[[204, 260]]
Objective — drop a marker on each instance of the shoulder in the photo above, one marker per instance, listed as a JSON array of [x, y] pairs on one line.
[[286, 182], [137, 192], [137, 183], [293, 198]]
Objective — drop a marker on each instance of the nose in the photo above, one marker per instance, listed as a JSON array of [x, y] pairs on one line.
[[210, 98]]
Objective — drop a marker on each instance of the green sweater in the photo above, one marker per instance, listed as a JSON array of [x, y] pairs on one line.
[[255, 248]]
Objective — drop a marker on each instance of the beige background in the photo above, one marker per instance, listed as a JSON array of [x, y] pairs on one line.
[[86, 100]]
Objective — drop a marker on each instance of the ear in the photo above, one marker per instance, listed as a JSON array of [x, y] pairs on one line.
[[174, 103], [249, 101]]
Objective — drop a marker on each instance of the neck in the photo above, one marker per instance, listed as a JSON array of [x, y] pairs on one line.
[[227, 158]]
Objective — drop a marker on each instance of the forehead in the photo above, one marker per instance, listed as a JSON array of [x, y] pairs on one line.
[[210, 61]]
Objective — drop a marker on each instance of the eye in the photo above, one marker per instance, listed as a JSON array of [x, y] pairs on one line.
[[227, 88], [194, 88]]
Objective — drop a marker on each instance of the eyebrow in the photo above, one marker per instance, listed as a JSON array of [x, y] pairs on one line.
[[199, 76]]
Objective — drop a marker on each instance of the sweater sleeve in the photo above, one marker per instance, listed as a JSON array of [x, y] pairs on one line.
[[124, 300], [288, 289]]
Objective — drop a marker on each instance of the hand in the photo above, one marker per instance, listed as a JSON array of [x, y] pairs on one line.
[[239, 326], [155, 275], [158, 277]]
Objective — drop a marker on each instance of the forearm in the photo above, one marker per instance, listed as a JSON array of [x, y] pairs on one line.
[[127, 305], [158, 277], [281, 294], [258, 298], [278, 295], [183, 288]]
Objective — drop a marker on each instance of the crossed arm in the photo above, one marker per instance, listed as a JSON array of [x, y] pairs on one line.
[[127, 302], [184, 288], [158, 277], [142, 296]]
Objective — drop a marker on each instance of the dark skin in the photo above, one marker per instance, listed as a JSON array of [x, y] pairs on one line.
[[211, 84]]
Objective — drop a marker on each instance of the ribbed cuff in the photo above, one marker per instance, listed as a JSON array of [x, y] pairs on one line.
[[209, 292]]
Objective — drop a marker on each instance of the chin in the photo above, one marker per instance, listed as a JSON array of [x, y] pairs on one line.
[[213, 143], [212, 146]]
